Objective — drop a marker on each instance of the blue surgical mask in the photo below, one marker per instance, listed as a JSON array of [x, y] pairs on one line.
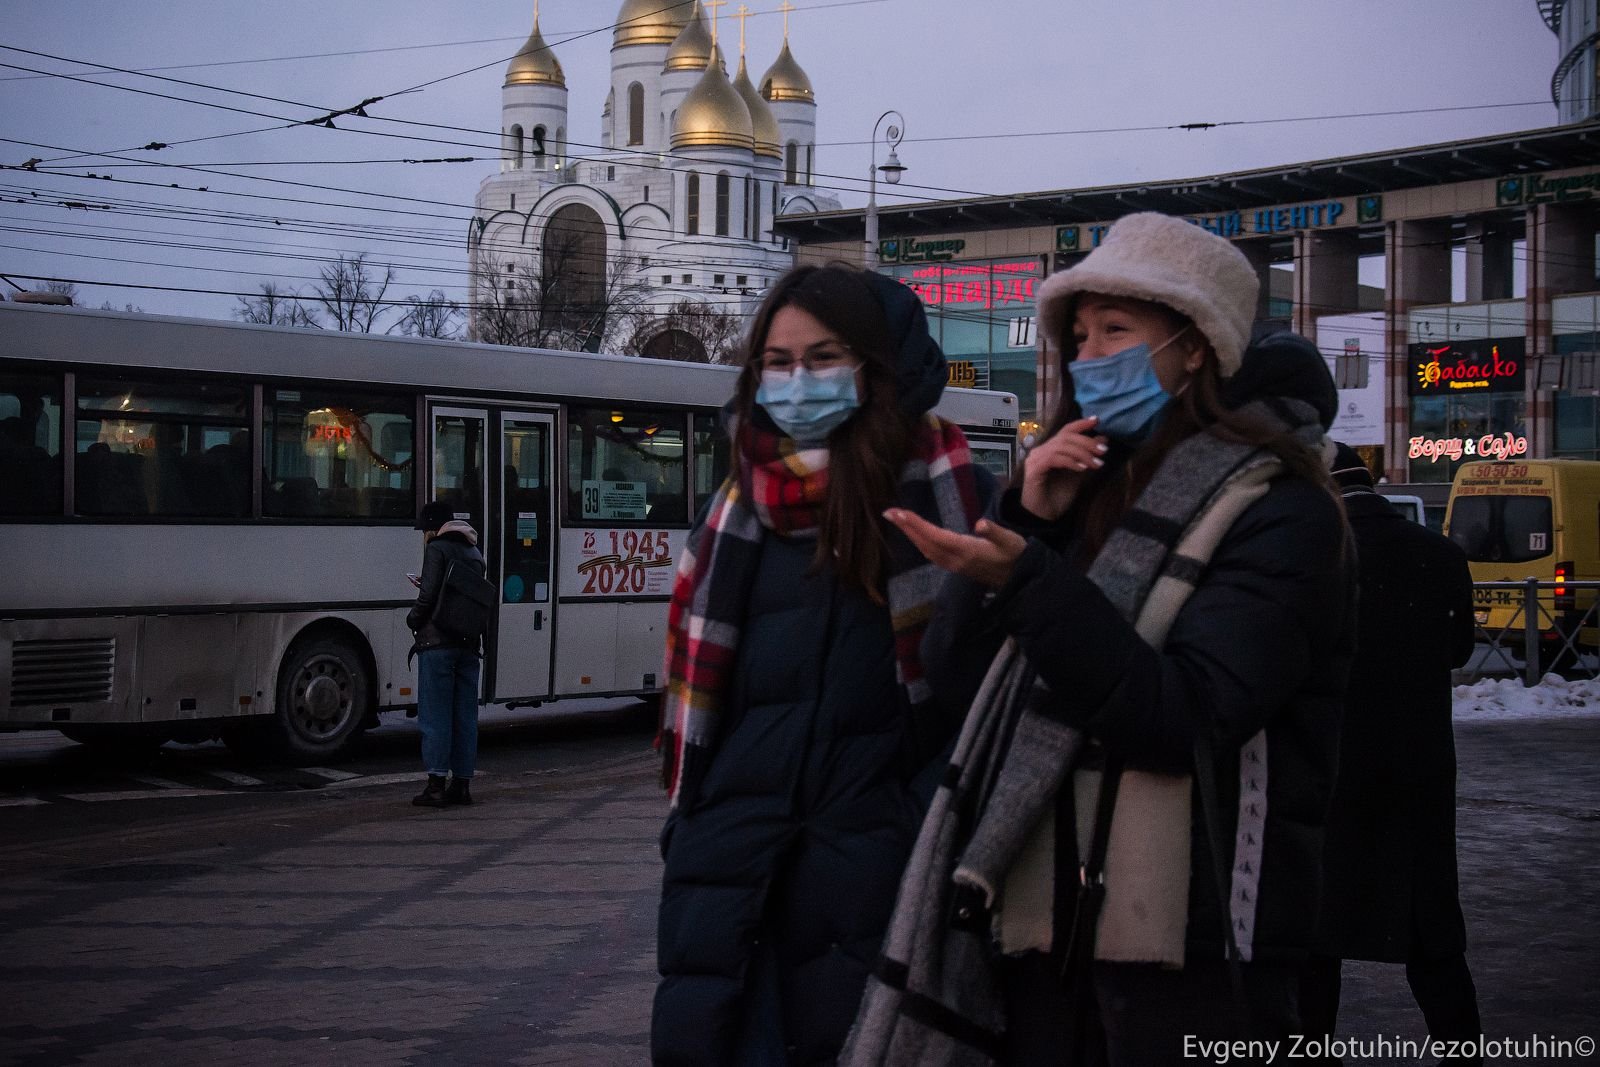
[[1122, 391], [809, 405]]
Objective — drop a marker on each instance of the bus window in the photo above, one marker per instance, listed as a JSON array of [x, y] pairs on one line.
[[526, 535], [30, 444], [711, 457], [625, 465], [337, 454], [163, 449]]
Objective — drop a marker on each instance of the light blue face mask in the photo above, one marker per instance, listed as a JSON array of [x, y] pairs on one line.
[[1122, 391], [809, 405]]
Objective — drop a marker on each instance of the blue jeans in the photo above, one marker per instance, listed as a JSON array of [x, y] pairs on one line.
[[447, 710]]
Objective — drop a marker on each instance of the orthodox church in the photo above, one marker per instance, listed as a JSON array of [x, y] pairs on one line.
[[673, 207]]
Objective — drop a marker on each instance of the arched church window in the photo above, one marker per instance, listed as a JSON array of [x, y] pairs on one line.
[[691, 211], [538, 141], [724, 193], [755, 213], [636, 114], [572, 267], [791, 160], [749, 201], [811, 152], [515, 139]]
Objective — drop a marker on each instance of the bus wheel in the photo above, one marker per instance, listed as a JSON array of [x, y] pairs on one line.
[[322, 700]]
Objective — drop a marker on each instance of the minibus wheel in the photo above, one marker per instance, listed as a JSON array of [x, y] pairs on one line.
[[323, 693]]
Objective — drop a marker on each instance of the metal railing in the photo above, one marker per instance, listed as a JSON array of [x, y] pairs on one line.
[[1545, 632]]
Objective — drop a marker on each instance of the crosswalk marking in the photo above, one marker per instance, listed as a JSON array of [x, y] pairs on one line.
[[143, 794], [329, 773], [235, 777], [158, 783]]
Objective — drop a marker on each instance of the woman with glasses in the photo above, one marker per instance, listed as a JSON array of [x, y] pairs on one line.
[[800, 745]]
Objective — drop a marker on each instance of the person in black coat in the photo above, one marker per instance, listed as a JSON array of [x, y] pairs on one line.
[[796, 723], [1241, 695], [1390, 890], [447, 666]]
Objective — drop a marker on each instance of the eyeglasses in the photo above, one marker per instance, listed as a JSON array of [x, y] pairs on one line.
[[813, 361]]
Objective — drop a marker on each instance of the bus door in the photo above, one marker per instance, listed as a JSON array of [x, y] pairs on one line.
[[458, 442], [526, 538]]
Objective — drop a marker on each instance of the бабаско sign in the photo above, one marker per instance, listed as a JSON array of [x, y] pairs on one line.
[[1493, 364]]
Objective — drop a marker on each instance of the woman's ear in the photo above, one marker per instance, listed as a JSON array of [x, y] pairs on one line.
[[1194, 353]]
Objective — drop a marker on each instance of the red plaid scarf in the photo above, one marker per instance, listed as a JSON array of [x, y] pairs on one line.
[[783, 489]]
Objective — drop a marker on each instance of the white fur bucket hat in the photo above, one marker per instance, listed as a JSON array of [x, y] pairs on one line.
[[1168, 260]]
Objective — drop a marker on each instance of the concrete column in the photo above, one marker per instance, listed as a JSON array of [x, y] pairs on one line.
[[1560, 251], [1260, 257], [1326, 277], [1417, 272], [1488, 262]]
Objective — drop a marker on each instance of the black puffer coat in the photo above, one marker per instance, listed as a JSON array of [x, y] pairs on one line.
[[781, 874], [1264, 642], [1391, 884]]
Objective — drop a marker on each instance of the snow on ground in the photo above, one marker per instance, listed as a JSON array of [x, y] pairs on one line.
[[1506, 698]]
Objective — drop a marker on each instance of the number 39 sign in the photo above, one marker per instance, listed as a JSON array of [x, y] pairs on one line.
[[611, 563]]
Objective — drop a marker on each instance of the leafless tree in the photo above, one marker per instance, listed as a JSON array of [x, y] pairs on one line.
[[434, 315], [273, 308], [692, 332], [352, 293], [568, 299], [66, 289]]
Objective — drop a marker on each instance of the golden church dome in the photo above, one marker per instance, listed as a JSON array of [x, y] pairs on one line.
[[649, 22], [534, 63], [692, 49], [713, 114], [784, 80], [763, 124]]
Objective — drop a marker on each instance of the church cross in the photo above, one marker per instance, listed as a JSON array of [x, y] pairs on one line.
[[742, 12], [786, 7], [713, 5]]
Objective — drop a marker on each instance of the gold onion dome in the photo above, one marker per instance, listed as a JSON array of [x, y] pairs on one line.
[[692, 49], [784, 80], [713, 114], [649, 22], [534, 63], [763, 124]]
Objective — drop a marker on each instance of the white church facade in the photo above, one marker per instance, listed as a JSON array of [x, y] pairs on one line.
[[672, 209]]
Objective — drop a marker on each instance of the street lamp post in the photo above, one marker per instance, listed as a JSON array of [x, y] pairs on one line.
[[892, 169]]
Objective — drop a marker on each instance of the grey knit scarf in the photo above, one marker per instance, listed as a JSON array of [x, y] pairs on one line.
[[985, 845]]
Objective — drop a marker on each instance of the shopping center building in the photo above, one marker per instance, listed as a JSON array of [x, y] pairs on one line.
[[1452, 287]]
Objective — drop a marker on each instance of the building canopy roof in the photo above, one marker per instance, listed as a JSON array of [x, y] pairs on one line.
[[1527, 152]]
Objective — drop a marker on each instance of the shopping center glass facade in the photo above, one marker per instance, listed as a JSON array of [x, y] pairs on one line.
[[981, 313]]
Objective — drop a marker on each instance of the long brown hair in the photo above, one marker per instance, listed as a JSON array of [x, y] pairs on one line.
[[1199, 408], [868, 451]]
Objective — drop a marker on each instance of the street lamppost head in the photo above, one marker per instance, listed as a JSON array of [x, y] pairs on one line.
[[892, 168]]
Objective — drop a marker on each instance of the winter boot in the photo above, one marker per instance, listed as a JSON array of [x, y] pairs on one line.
[[459, 791], [433, 794]]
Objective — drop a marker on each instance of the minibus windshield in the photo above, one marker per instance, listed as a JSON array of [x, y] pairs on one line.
[[1501, 529]]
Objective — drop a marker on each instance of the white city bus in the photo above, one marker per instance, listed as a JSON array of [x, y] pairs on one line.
[[205, 526]]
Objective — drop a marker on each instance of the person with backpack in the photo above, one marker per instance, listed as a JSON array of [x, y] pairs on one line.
[[447, 660]]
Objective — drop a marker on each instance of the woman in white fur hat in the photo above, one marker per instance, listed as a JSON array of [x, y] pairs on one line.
[[1169, 573]]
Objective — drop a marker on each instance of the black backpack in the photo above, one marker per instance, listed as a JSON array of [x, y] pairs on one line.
[[466, 602]]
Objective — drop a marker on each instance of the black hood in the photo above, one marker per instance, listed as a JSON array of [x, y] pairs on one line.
[[920, 370], [1281, 363]]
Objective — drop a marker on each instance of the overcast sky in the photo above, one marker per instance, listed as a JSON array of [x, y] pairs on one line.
[[998, 97]]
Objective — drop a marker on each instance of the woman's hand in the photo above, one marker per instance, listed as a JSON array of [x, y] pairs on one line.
[[986, 555], [1054, 469]]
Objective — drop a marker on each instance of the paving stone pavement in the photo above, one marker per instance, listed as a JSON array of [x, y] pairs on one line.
[[521, 930]]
